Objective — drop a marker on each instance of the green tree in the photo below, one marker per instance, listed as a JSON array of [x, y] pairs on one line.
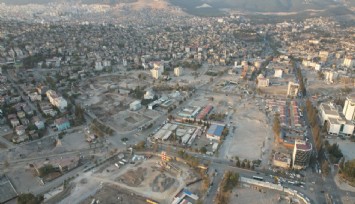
[[29, 198], [325, 168], [203, 150], [238, 163]]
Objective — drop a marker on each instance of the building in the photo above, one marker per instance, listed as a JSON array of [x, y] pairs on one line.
[[215, 132], [292, 89], [302, 153], [136, 105], [155, 73], [334, 122], [177, 71], [348, 62], [330, 76], [98, 66], [35, 96], [263, 82], [349, 107], [149, 94], [62, 124], [278, 73], [205, 111], [56, 100], [282, 160]]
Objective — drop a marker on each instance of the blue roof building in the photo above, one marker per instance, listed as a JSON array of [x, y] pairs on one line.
[[215, 132]]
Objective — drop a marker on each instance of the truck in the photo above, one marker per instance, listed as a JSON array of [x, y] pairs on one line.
[[121, 162]]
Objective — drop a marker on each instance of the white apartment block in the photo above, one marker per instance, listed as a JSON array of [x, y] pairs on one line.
[[336, 124], [348, 62], [56, 100], [177, 71], [278, 73], [155, 73], [349, 107]]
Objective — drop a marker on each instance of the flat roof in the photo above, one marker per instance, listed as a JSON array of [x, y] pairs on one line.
[[215, 130]]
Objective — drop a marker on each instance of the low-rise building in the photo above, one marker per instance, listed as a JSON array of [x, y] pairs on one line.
[[136, 105], [215, 132], [292, 89], [282, 160], [62, 124], [263, 82]]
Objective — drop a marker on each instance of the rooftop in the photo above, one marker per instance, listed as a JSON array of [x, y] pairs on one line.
[[215, 130], [303, 145]]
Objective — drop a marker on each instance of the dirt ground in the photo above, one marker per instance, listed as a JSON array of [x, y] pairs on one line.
[[253, 196], [127, 120], [147, 179], [111, 194]]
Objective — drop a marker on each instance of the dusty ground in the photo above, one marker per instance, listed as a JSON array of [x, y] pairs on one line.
[[252, 196], [128, 120], [111, 194], [147, 182], [343, 185]]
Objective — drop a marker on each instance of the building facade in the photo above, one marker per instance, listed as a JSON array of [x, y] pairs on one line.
[[302, 153], [56, 100], [292, 89]]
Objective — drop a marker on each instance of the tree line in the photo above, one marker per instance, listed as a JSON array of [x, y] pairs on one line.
[[312, 118]]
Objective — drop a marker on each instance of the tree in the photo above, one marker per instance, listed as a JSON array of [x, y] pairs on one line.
[[29, 198], [79, 113], [140, 145], [238, 163], [325, 167], [247, 165], [276, 126], [203, 150]]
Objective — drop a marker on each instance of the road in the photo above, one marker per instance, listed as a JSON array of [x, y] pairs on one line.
[[322, 184]]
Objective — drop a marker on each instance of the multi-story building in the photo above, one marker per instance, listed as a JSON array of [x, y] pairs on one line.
[[349, 107], [177, 71], [155, 73], [335, 123], [292, 89], [348, 62], [278, 73], [302, 153], [158, 69], [56, 100]]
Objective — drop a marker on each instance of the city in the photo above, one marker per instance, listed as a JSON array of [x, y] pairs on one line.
[[157, 101]]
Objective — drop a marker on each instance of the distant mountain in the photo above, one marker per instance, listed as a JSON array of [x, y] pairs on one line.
[[21, 2], [192, 6], [216, 7]]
